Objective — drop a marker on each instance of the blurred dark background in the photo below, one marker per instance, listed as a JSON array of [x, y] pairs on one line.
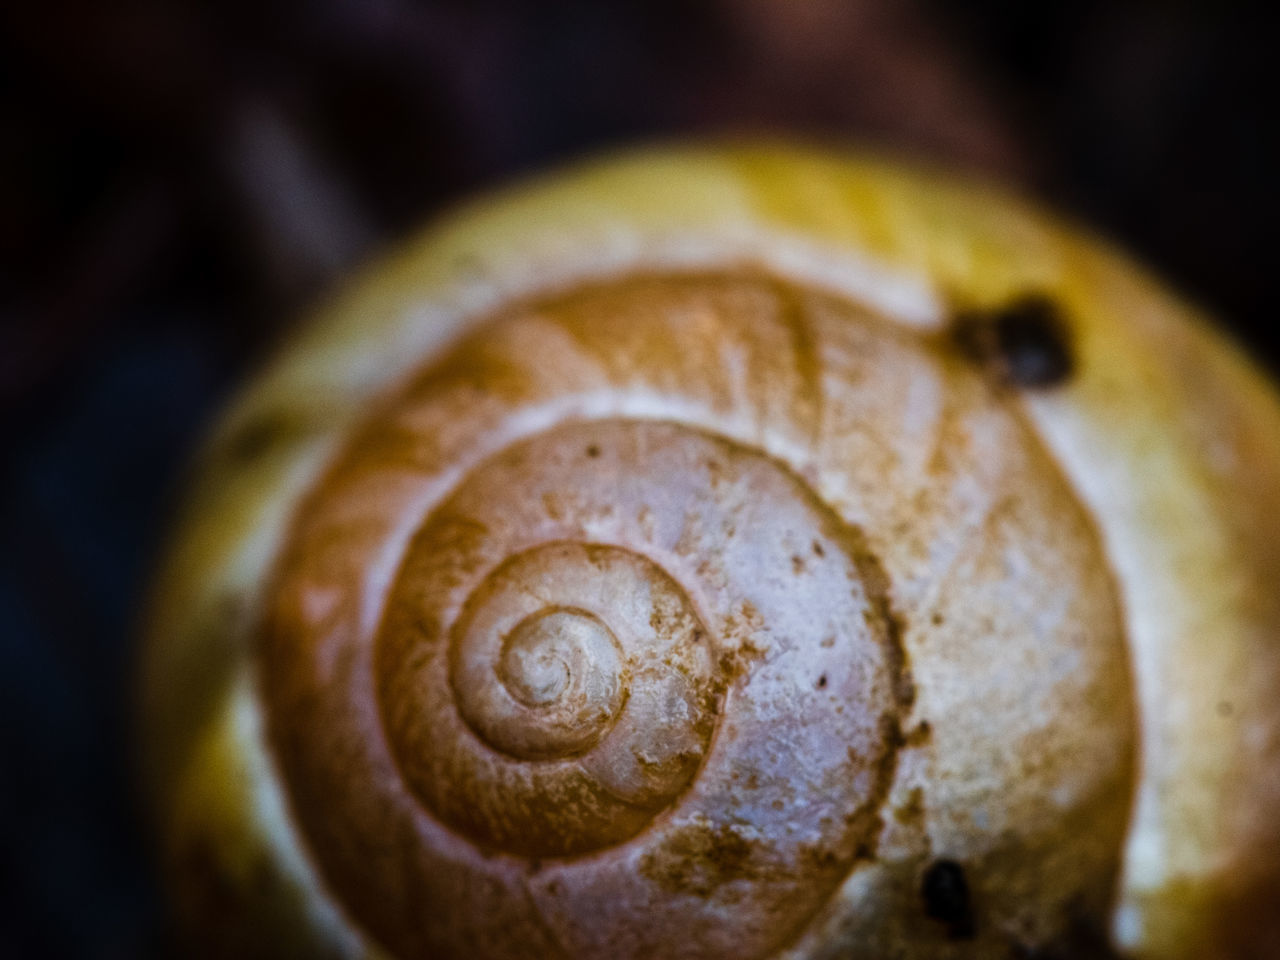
[[179, 180]]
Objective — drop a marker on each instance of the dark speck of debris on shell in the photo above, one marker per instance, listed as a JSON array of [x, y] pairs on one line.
[[946, 898], [257, 436], [1025, 341]]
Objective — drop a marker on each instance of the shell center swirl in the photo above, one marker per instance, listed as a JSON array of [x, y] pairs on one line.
[[548, 651], [580, 698], [552, 688], [574, 628]]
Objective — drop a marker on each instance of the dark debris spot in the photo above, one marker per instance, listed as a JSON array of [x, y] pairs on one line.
[[593, 451], [817, 549], [912, 811], [945, 892], [921, 734], [257, 436], [822, 682], [1025, 342]]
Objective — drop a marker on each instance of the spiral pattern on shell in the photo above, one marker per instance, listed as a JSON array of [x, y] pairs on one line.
[[594, 640]]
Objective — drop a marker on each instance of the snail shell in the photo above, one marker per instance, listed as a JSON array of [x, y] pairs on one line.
[[731, 552]]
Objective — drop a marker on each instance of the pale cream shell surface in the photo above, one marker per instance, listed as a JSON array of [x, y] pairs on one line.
[[636, 566]]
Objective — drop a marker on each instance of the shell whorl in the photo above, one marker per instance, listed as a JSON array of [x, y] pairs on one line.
[[661, 616]]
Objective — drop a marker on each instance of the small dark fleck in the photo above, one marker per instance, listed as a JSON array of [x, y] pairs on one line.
[[1025, 341], [593, 451], [817, 549], [938, 619], [822, 682], [256, 437], [912, 811], [946, 898], [921, 734]]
